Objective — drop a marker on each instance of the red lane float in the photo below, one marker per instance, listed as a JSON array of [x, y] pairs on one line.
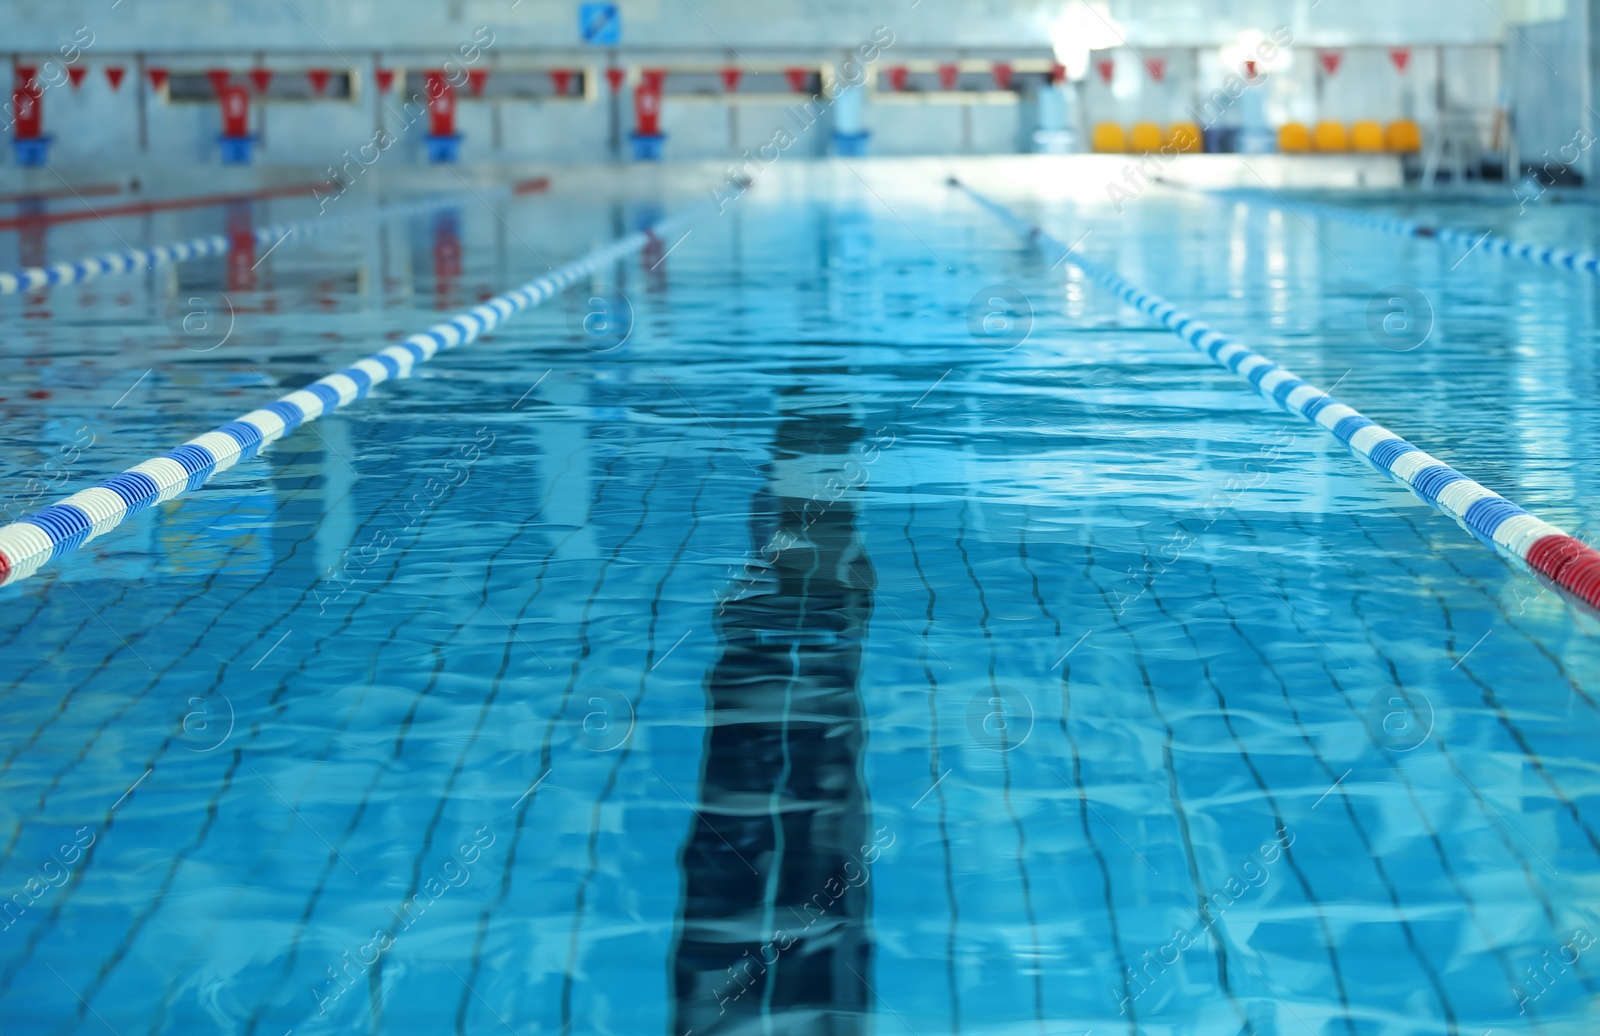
[[441, 105], [647, 137], [1569, 564], [235, 102], [647, 111], [166, 205], [240, 263], [86, 191], [444, 143], [235, 139], [27, 113]]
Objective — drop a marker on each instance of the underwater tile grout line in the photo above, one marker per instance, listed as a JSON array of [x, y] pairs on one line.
[[1487, 241], [133, 259], [68, 524], [1567, 562]]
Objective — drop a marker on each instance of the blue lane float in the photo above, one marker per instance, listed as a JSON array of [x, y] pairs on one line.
[[1473, 240], [68, 524], [1488, 516], [647, 147], [133, 259], [236, 150], [32, 152], [443, 148], [850, 145]]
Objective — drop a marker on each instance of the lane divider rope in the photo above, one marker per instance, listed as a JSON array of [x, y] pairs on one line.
[[143, 208], [1547, 550], [1474, 240], [134, 259], [65, 526]]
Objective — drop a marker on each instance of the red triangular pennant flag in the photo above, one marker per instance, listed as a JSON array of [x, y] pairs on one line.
[[1330, 60], [319, 78], [114, 74], [476, 77], [1157, 67], [158, 77], [730, 79], [615, 76], [262, 78], [219, 79], [1002, 75], [797, 79], [76, 73], [897, 76], [1107, 68], [948, 74], [1401, 56], [561, 79], [25, 76], [1058, 72], [1250, 69], [385, 79]]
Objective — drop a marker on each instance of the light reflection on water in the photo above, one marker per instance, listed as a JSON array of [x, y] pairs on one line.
[[801, 663]]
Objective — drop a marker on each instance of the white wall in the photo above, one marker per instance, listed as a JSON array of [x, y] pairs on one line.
[[94, 124], [1548, 84], [355, 24]]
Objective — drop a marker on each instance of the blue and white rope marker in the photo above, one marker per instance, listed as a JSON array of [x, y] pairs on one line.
[[68, 524], [1578, 262], [134, 259], [1564, 560]]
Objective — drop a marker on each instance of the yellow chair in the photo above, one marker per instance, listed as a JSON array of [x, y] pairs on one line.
[[1183, 136], [1330, 137], [1404, 137], [1146, 138], [1109, 139], [1294, 138], [1366, 136]]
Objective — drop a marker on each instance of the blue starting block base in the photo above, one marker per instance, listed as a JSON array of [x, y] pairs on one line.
[[444, 149], [32, 152], [647, 146], [850, 145], [236, 150]]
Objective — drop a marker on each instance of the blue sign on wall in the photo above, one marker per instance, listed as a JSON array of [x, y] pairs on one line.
[[600, 24]]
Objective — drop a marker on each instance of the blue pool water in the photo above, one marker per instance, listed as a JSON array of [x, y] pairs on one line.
[[819, 658]]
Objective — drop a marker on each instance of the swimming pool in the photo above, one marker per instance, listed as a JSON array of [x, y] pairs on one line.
[[787, 642]]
